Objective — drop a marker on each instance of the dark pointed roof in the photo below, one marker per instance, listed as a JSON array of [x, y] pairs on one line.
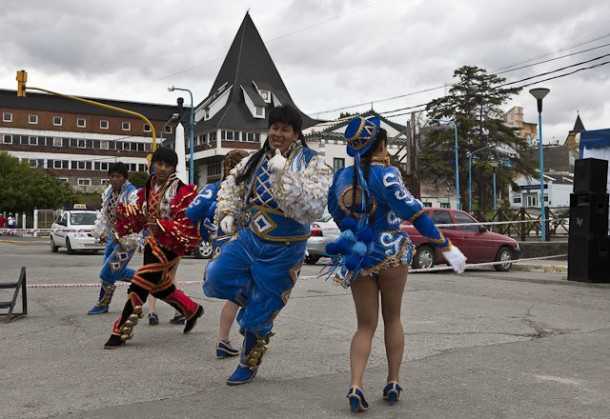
[[246, 67], [578, 125]]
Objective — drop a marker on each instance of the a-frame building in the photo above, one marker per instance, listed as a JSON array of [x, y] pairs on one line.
[[235, 112]]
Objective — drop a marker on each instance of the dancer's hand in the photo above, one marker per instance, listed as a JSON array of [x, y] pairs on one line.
[[277, 163], [227, 224], [153, 228], [456, 259]]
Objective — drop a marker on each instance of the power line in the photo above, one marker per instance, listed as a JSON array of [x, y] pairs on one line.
[[506, 69]]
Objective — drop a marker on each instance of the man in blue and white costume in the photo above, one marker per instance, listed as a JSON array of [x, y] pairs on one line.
[[278, 192], [118, 253]]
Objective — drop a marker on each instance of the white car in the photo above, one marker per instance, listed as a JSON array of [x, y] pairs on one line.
[[70, 220], [323, 231]]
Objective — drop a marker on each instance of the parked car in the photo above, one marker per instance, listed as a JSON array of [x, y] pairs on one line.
[[323, 231], [67, 220], [475, 241]]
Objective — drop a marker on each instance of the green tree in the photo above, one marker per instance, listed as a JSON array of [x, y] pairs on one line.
[[138, 178], [24, 188], [474, 104]]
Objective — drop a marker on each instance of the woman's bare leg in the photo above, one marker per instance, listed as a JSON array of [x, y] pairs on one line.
[[392, 285], [227, 317], [366, 299]]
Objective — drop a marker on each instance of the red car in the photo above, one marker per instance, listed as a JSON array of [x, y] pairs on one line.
[[475, 241]]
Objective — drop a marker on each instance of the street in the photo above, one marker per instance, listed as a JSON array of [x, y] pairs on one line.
[[484, 344]]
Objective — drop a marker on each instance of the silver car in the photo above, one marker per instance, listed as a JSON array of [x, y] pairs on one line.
[[323, 231], [63, 232]]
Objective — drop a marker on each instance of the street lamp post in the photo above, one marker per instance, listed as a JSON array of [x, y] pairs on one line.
[[539, 93], [173, 117], [470, 175], [494, 164], [191, 139], [457, 170]]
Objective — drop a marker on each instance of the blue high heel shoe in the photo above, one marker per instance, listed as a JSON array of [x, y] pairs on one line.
[[391, 392], [224, 349], [356, 399]]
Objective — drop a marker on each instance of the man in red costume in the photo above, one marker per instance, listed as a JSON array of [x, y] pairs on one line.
[[160, 209]]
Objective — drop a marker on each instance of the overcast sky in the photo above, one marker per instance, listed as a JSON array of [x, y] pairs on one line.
[[330, 53]]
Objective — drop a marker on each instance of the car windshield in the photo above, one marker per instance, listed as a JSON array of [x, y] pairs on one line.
[[82, 218], [325, 218]]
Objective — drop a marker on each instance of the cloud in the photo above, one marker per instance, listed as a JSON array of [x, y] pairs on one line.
[[330, 53]]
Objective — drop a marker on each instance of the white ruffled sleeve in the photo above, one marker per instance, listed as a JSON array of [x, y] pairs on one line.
[[231, 197], [101, 229], [302, 196]]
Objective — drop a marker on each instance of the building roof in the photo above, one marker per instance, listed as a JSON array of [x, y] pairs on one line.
[[248, 65], [52, 103], [578, 125], [336, 128]]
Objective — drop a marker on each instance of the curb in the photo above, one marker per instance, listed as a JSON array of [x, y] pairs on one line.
[[540, 268]]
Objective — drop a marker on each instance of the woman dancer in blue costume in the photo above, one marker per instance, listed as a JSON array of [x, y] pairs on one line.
[[202, 210], [118, 252], [368, 201], [278, 191]]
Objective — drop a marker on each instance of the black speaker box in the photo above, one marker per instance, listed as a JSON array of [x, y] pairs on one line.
[[589, 259], [588, 215], [590, 176]]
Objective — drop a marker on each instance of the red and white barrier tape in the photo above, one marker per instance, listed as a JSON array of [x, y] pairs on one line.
[[433, 269], [28, 231]]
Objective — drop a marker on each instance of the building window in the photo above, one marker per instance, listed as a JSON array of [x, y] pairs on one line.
[[63, 179], [81, 122], [81, 144], [252, 137], [214, 169], [147, 147], [445, 205], [104, 166], [260, 111], [32, 119], [126, 146], [126, 126], [104, 124], [338, 163], [517, 200], [427, 204], [80, 165], [57, 164], [167, 129], [142, 168], [104, 145], [8, 139], [266, 95], [33, 141], [57, 121], [57, 142], [7, 117], [84, 182], [146, 128], [104, 182]]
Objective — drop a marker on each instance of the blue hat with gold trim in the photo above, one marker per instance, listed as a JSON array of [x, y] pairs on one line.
[[360, 134]]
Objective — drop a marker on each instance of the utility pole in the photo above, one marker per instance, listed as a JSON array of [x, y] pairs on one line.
[[414, 158]]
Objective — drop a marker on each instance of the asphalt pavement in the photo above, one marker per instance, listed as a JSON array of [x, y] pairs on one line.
[[485, 344]]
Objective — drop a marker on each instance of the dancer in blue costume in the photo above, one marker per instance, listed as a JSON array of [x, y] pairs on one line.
[[118, 252], [278, 192], [368, 201], [202, 210]]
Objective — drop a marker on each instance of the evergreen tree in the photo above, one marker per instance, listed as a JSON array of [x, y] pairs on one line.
[[474, 104], [24, 188]]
